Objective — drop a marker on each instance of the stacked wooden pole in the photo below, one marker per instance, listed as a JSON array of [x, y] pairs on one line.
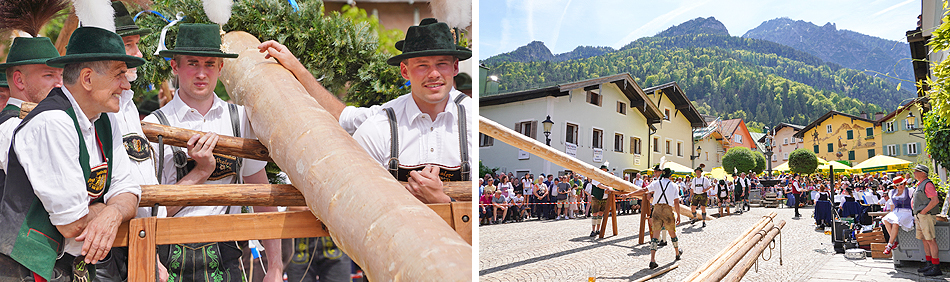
[[725, 258], [749, 260], [372, 217]]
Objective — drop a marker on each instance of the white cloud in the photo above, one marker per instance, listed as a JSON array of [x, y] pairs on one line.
[[892, 8], [658, 22]]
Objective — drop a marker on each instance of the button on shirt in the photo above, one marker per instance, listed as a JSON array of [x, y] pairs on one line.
[[422, 140], [217, 120], [6, 132], [48, 150]]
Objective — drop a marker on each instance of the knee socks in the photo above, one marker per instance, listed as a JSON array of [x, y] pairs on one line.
[[704, 216], [653, 244], [675, 241]]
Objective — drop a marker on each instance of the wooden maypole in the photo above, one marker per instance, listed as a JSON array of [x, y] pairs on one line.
[[373, 218]]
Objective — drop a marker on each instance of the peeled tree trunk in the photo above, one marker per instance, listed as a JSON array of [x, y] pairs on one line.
[[372, 217]]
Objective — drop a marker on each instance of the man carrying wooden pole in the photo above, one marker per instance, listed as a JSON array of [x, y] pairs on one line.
[[197, 61]]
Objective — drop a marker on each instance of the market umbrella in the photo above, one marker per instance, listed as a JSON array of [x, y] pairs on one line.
[[881, 163], [839, 167], [782, 167], [678, 169], [718, 173]]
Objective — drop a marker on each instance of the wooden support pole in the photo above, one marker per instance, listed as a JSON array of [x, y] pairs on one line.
[[142, 247], [704, 270], [611, 212], [228, 145], [520, 141], [376, 221], [750, 258], [251, 194], [645, 207]]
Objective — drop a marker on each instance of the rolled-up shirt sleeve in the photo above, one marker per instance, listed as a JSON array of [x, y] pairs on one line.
[[352, 117], [47, 149]]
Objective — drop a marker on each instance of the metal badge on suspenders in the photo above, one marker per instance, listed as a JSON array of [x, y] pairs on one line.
[[393, 164]]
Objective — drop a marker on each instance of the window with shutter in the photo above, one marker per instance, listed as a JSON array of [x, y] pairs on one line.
[[668, 147], [485, 140], [850, 155], [571, 135], [904, 149], [850, 134], [870, 131], [598, 139], [816, 149], [871, 153], [831, 147], [679, 149], [618, 142], [656, 144], [904, 124]]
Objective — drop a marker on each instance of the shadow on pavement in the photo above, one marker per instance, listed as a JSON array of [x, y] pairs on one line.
[[646, 271], [596, 243]]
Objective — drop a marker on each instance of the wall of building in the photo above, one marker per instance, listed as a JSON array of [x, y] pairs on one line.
[[784, 144], [711, 153], [676, 130], [902, 144], [839, 141], [570, 109]]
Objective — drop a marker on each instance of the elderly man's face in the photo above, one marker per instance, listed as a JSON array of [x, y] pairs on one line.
[[107, 87], [431, 77]]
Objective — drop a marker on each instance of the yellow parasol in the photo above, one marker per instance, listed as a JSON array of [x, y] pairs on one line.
[[881, 163], [678, 169], [718, 173]]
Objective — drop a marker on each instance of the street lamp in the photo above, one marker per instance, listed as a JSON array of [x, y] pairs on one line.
[[547, 123], [768, 149]]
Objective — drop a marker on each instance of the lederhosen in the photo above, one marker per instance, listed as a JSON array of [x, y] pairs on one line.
[[739, 187], [665, 201], [36, 244], [722, 192], [196, 261], [699, 198], [401, 173]]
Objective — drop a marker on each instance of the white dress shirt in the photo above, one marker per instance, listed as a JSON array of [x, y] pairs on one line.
[[6, 132], [699, 184], [218, 120], [672, 193], [48, 149], [422, 140], [143, 172]]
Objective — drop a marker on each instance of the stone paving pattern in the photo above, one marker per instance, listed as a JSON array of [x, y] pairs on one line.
[[561, 250]]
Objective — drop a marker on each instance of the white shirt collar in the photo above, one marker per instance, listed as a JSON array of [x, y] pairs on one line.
[[181, 109], [16, 102], [412, 111], [84, 123]]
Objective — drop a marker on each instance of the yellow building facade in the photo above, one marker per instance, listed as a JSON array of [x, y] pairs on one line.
[[840, 136]]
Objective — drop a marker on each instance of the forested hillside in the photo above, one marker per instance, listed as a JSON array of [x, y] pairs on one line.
[[757, 80]]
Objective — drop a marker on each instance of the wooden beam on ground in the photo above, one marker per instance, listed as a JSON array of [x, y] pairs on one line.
[[374, 219], [706, 269], [228, 145], [251, 194], [658, 272]]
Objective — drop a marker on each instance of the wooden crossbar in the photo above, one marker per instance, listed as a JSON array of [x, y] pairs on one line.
[[252, 194]]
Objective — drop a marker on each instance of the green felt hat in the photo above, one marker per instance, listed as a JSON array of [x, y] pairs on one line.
[[124, 25], [202, 40], [88, 44], [429, 38], [30, 51]]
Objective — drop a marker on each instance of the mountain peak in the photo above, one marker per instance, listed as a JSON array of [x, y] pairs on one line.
[[698, 25]]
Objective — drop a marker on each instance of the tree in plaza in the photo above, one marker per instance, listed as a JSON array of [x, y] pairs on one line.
[[738, 159], [937, 132], [802, 161], [760, 162]]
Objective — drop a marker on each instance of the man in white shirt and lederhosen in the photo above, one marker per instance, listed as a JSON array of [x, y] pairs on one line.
[[666, 201], [699, 186]]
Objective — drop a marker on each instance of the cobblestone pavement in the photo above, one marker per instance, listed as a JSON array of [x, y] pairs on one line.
[[561, 250]]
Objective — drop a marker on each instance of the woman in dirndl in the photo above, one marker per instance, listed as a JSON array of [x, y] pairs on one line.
[[902, 215]]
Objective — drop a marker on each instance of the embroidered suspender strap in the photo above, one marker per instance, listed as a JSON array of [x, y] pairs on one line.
[[463, 138], [103, 128], [236, 127], [394, 153], [181, 160]]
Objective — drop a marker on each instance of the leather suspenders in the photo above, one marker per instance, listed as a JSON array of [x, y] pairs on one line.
[[393, 164]]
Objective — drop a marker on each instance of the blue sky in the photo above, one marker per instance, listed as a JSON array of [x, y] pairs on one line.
[[504, 25]]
